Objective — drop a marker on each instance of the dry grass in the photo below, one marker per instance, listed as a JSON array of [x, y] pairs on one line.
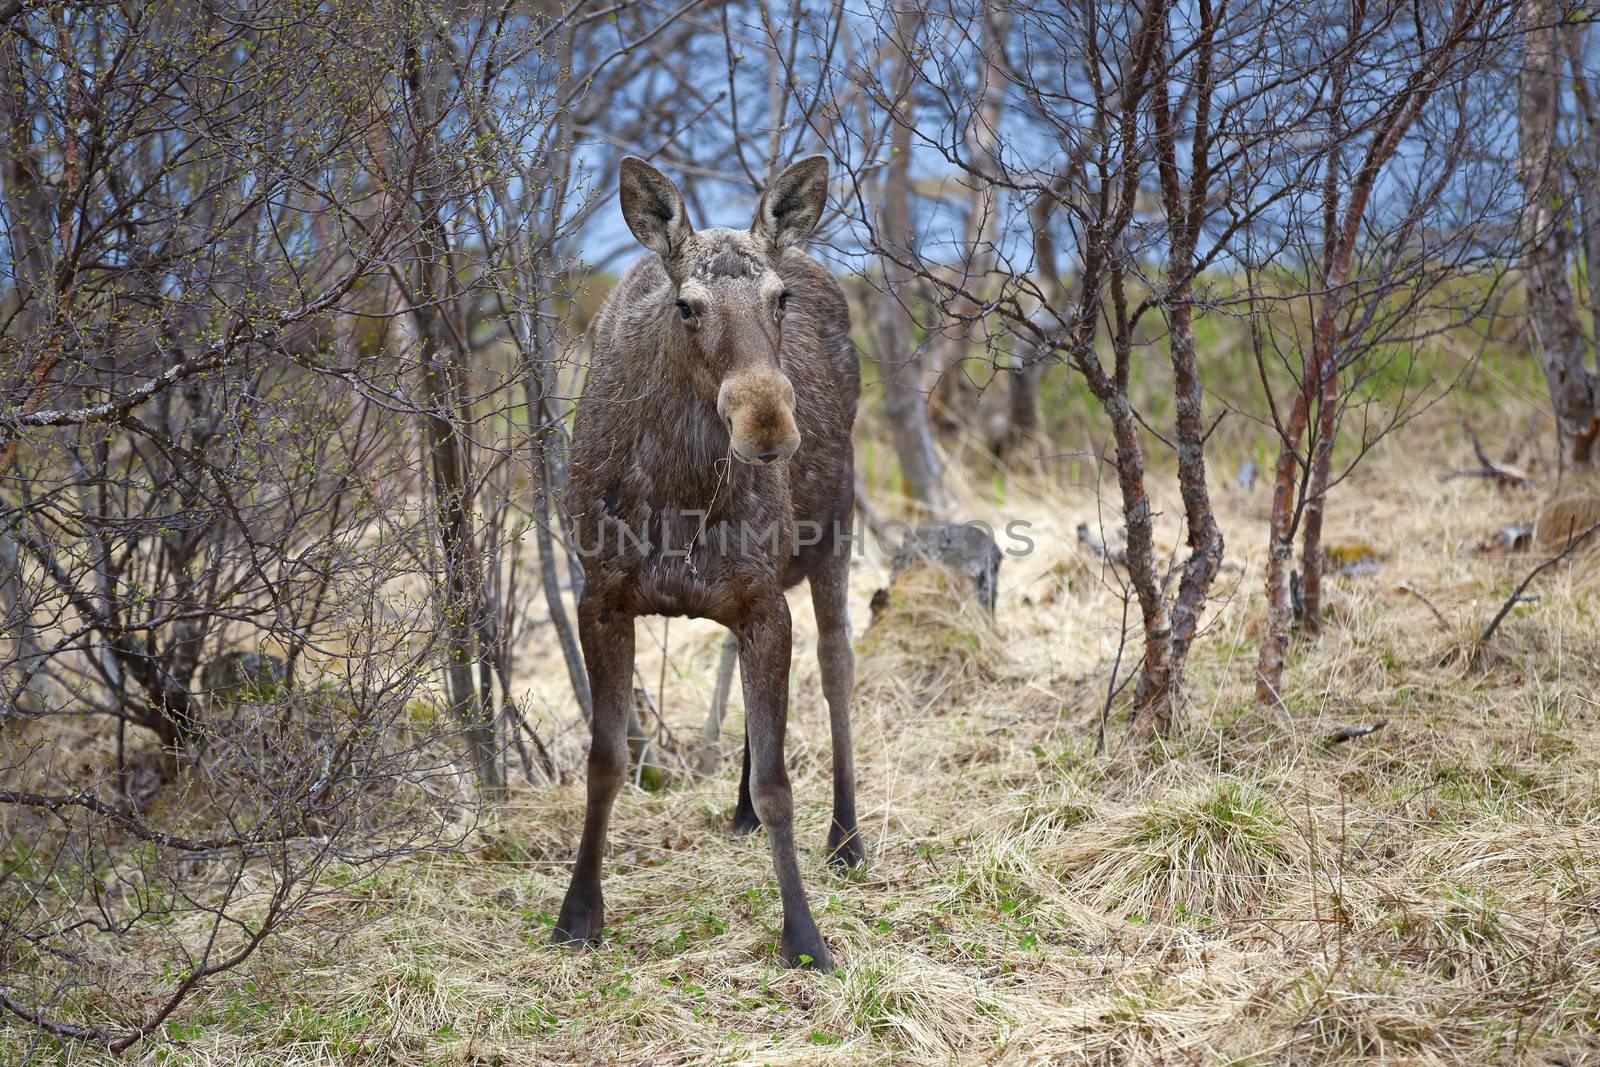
[[1252, 894]]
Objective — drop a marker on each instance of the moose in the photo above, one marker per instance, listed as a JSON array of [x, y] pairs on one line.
[[711, 468]]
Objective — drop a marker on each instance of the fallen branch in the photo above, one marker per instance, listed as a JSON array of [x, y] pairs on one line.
[[1516, 597], [1504, 474], [874, 521], [1407, 587]]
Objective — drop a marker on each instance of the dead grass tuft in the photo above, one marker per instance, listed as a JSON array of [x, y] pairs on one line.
[[1205, 851]]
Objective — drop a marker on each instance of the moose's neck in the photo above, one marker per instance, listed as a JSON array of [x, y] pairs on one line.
[[681, 446]]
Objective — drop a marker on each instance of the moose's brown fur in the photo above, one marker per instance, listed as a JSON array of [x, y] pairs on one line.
[[711, 468]]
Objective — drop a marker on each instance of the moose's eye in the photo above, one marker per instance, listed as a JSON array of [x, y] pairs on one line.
[[783, 301], [685, 311]]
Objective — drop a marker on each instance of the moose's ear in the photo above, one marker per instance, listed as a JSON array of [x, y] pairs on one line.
[[652, 207], [792, 203]]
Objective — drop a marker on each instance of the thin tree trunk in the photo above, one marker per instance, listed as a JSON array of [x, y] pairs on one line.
[[1205, 536], [27, 207], [44, 276], [465, 616], [1323, 439], [905, 402], [1023, 407], [1152, 704], [461, 605], [16, 617], [549, 577], [1156, 705], [1318, 394], [545, 424], [1280, 554], [532, 252], [1558, 339], [1344, 207], [1588, 168]]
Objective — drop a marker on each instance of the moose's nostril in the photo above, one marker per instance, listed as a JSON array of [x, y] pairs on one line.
[[768, 457]]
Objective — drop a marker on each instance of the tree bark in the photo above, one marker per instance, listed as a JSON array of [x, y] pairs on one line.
[[1280, 555], [1588, 170], [461, 604], [441, 364], [1205, 536], [545, 428], [1156, 707], [1152, 696], [905, 390], [1547, 236], [540, 386], [1323, 438]]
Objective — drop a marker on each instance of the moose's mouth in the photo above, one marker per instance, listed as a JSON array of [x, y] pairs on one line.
[[765, 457]]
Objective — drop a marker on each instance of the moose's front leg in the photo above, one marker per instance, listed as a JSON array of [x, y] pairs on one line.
[[608, 654], [764, 647]]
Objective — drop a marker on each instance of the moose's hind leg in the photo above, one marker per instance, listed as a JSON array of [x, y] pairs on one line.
[[608, 655], [745, 819], [830, 586], [711, 736]]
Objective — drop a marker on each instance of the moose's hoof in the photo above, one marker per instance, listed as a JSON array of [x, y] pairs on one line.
[[580, 925], [745, 822], [846, 851], [803, 948]]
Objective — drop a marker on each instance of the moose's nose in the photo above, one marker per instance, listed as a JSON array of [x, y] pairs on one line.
[[768, 457]]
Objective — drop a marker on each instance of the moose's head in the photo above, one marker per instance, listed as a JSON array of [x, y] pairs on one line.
[[729, 300]]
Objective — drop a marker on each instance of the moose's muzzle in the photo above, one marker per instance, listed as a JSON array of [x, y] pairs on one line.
[[758, 407]]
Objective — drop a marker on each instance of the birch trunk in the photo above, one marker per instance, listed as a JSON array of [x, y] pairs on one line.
[[905, 386], [1547, 236], [441, 358]]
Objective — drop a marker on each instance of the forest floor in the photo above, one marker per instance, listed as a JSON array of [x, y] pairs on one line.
[[1251, 893]]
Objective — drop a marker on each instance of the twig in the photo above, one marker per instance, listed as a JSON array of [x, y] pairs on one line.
[[722, 465], [1112, 688], [1504, 475], [873, 520], [1407, 587], [1516, 597], [249, 841]]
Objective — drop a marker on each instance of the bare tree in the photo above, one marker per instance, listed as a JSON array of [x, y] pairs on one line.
[[899, 357], [1551, 229], [975, 251], [1585, 159], [1136, 146], [209, 519], [1372, 289]]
